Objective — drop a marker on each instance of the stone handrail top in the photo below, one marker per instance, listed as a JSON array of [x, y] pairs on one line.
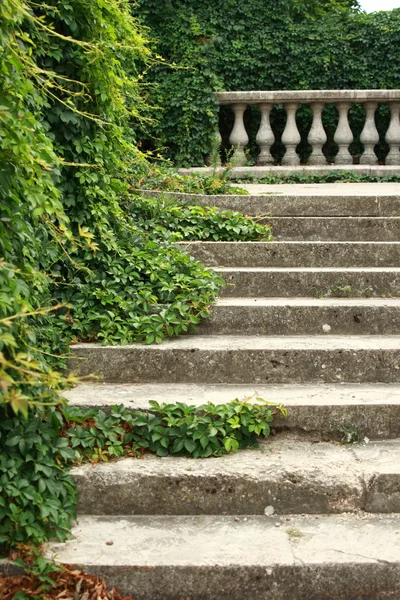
[[307, 96]]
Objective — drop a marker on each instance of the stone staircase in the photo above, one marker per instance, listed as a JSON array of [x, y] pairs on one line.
[[300, 518]]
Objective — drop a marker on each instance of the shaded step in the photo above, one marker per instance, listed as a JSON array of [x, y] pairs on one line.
[[295, 254], [372, 410], [303, 316], [292, 475], [294, 205], [310, 282], [335, 228], [245, 359], [241, 558]]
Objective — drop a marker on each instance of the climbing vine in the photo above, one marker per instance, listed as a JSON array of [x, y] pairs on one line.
[[77, 260]]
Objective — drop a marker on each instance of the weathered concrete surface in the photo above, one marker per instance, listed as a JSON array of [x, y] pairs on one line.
[[254, 173], [363, 192], [310, 282], [292, 475], [291, 202], [295, 254], [319, 410], [335, 228], [303, 316], [245, 359], [205, 557]]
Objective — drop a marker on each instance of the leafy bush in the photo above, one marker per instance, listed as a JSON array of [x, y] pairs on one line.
[[179, 429], [332, 177], [166, 179], [38, 496], [173, 220]]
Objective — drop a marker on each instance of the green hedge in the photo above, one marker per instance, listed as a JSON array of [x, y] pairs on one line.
[[261, 44]]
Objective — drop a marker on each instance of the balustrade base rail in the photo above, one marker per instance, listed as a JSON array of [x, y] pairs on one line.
[[317, 137], [258, 172]]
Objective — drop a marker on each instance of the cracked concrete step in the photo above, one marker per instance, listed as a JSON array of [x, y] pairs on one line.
[[295, 254], [320, 410], [302, 316], [314, 282], [291, 475], [241, 558], [335, 228], [245, 359], [286, 203]]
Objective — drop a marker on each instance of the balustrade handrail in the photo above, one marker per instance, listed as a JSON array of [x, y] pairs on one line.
[[306, 96], [316, 99]]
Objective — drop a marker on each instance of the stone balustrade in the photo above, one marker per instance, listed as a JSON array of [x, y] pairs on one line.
[[316, 100]]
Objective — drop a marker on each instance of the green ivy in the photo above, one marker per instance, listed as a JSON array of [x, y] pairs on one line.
[[332, 177], [78, 262], [177, 429], [176, 221]]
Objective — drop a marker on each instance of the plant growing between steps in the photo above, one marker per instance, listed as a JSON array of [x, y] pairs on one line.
[[177, 429], [176, 221], [167, 179], [332, 177]]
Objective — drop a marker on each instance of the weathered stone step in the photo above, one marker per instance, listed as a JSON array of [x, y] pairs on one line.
[[291, 475], [319, 409], [295, 254], [335, 228], [303, 316], [241, 558], [310, 282], [287, 204], [245, 359]]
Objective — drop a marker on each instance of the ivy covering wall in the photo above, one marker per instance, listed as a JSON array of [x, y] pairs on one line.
[[260, 45]]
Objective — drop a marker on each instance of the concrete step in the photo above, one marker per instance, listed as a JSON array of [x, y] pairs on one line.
[[292, 475], [335, 228], [318, 410], [285, 203], [310, 282], [241, 558], [302, 316], [295, 254], [245, 359], [289, 201]]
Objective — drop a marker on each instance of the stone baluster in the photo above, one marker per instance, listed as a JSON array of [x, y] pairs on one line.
[[343, 135], [393, 135], [369, 135], [239, 138], [265, 136], [291, 136], [317, 136]]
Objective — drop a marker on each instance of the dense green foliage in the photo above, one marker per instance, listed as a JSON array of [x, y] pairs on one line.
[[77, 261], [331, 177], [175, 221], [180, 429], [267, 45], [169, 180]]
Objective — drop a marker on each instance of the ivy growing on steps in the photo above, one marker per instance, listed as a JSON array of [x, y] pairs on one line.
[[77, 263], [261, 45]]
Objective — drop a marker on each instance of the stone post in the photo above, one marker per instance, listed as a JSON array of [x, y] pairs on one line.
[[239, 138], [317, 136], [369, 135], [393, 135], [343, 135], [265, 136], [291, 136]]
